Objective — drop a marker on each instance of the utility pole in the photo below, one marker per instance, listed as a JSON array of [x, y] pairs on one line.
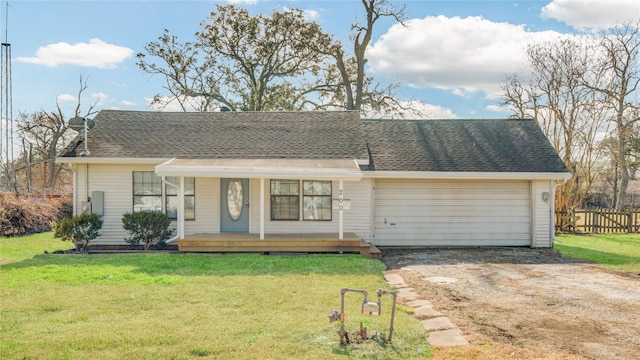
[[8, 176]]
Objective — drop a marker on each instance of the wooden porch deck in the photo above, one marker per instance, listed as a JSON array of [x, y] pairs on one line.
[[278, 243]]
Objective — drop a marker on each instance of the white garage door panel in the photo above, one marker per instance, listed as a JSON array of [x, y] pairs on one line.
[[452, 213]]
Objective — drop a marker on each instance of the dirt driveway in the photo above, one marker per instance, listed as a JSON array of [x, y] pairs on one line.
[[526, 303]]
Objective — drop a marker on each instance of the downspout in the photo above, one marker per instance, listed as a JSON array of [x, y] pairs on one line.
[[86, 183], [74, 196], [164, 181]]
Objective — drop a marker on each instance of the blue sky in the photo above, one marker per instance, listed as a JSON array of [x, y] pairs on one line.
[[450, 60]]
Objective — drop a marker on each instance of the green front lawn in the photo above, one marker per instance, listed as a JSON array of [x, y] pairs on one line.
[[620, 252], [187, 306]]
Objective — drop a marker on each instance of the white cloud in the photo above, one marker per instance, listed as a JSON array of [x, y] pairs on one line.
[[234, 2], [128, 103], [463, 55], [66, 97], [592, 14], [96, 53], [308, 14], [496, 108], [100, 98], [420, 111], [311, 15]]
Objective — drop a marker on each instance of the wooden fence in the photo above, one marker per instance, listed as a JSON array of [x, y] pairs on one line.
[[598, 220]]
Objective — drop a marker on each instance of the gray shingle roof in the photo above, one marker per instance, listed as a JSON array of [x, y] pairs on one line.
[[514, 145], [218, 135]]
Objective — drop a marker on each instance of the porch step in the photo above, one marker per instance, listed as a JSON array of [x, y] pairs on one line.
[[274, 243]]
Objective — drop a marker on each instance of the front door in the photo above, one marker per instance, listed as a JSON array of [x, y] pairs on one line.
[[234, 205]]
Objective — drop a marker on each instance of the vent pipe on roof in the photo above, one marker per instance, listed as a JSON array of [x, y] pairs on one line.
[[82, 124]]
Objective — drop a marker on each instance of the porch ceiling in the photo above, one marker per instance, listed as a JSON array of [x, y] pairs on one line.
[[318, 169]]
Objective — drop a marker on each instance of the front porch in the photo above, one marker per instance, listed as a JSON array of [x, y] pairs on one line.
[[278, 243]]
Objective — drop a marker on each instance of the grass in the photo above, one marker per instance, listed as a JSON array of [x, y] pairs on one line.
[[188, 306], [619, 252]]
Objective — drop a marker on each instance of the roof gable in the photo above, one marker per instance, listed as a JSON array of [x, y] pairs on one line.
[[505, 145]]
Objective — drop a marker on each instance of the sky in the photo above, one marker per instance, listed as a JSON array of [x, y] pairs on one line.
[[450, 60]]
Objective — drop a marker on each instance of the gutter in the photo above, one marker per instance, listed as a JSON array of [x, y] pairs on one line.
[[466, 175], [91, 160]]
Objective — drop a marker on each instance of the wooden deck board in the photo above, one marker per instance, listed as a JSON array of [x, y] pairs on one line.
[[312, 242]]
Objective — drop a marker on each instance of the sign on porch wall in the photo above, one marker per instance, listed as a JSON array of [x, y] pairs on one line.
[[346, 204]]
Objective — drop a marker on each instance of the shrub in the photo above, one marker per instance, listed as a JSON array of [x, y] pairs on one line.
[[20, 215], [80, 229], [148, 228]]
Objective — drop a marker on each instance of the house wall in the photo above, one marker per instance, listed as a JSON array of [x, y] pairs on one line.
[[447, 212], [510, 207], [355, 219], [542, 214], [116, 182]]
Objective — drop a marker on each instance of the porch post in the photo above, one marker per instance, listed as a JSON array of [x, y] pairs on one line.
[[261, 208], [340, 209], [181, 209]]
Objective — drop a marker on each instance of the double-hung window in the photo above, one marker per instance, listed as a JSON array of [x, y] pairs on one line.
[[149, 192], [171, 197], [285, 200], [316, 200]]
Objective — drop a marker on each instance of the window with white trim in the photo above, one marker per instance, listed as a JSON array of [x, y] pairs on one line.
[[285, 200], [171, 197], [149, 192], [316, 200]]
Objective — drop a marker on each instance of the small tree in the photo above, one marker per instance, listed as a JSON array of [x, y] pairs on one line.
[[148, 228], [80, 230]]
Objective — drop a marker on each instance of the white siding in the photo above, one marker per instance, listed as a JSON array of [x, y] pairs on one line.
[[542, 214], [207, 216], [117, 183], [452, 213], [356, 218]]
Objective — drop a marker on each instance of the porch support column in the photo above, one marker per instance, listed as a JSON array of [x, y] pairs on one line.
[[181, 209], [340, 209], [261, 208]]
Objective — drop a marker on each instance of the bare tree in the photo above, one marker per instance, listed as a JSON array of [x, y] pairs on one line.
[[567, 111], [618, 75], [46, 133], [353, 89]]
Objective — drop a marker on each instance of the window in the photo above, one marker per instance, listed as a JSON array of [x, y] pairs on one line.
[[147, 191], [285, 200], [171, 197], [316, 200], [148, 194]]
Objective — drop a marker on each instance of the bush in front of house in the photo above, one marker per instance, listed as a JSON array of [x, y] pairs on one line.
[[149, 228], [79, 229]]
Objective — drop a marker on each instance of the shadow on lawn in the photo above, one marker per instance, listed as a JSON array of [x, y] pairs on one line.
[[396, 257], [212, 264]]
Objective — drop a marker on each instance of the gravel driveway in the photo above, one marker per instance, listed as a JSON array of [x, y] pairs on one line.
[[528, 302]]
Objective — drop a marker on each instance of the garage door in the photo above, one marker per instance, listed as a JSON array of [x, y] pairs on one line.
[[452, 213]]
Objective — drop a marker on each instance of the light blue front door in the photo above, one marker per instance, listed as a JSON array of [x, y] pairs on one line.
[[234, 205]]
